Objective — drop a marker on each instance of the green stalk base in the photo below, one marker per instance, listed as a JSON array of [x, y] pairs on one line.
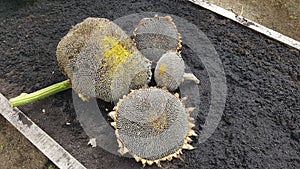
[[25, 98]]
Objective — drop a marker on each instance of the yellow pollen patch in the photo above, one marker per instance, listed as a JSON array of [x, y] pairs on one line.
[[159, 123], [117, 52], [162, 69]]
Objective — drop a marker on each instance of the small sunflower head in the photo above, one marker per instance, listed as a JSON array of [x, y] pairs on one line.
[[169, 71], [154, 36]]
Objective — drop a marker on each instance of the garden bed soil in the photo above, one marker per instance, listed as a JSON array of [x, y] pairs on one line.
[[260, 127], [16, 151]]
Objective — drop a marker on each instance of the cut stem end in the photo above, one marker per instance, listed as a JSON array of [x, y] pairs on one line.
[[25, 98]]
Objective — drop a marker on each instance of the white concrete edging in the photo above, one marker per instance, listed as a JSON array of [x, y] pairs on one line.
[[49, 147], [248, 23]]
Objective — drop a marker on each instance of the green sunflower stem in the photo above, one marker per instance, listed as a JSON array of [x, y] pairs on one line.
[[25, 98]]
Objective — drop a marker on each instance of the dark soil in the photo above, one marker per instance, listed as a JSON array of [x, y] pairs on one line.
[[261, 122]]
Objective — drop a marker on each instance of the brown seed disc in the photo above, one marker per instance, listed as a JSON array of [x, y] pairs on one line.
[[152, 125]]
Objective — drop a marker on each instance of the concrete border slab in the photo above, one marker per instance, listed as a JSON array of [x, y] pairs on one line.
[[48, 146], [248, 23]]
